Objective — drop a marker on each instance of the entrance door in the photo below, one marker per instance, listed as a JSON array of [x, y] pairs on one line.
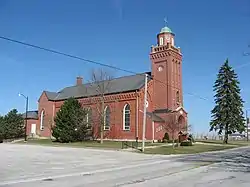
[[33, 129]]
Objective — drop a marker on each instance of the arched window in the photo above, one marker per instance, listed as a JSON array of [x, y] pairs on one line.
[[161, 41], [88, 117], [177, 97], [107, 118], [126, 117], [42, 120], [172, 41]]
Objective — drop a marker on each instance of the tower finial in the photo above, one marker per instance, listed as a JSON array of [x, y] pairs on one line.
[[165, 21]]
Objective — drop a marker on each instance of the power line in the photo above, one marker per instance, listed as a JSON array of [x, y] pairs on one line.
[[89, 61], [64, 54]]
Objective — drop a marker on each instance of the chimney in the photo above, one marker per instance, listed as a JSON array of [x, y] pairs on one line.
[[78, 80]]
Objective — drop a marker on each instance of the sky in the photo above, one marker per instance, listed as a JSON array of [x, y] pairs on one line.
[[120, 33]]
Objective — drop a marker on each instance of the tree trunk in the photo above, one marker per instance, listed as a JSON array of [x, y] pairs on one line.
[[226, 135], [173, 139]]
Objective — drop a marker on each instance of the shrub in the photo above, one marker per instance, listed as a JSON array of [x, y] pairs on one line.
[[166, 136], [186, 143], [191, 138], [164, 141]]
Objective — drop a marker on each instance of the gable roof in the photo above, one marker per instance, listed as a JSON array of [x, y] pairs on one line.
[[51, 94], [117, 85], [31, 114], [162, 111], [155, 117]]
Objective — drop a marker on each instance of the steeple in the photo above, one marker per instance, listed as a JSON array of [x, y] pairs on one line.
[[166, 29], [167, 70], [165, 36]]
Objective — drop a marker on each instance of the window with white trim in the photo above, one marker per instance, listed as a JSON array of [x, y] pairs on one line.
[[107, 113], [42, 120], [126, 117], [172, 41], [88, 117], [161, 41]]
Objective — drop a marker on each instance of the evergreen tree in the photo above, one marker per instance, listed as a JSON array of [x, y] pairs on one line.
[[1, 129], [227, 115], [13, 125], [70, 122]]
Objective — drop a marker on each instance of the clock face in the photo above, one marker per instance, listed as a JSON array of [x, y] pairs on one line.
[[160, 68]]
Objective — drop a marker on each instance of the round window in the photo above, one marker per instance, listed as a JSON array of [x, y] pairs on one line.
[[160, 68]]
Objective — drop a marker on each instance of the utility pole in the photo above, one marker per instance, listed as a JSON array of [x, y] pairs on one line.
[[26, 118], [247, 124], [144, 112], [26, 115]]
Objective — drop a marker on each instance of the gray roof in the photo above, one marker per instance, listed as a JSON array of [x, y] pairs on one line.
[[162, 111], [117, 85], [155, 117], [51, 94], [31, 115]]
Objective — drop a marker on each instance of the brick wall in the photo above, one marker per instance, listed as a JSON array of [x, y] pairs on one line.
[[29, 123], [46, 106], [116, 103]]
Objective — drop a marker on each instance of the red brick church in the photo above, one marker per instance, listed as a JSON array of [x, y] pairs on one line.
[[124, 101]]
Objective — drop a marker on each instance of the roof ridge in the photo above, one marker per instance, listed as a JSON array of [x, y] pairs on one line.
[[50, 91], [118, 85], [89, 83]]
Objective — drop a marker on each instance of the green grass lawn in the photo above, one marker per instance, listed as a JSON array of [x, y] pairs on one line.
[[94, 144], [196, 148], [234, 142]]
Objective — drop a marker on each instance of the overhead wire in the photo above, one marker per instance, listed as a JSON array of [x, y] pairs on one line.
[[92, 61]]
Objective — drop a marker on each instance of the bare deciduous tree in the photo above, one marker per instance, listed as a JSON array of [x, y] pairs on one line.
[[173, 126], [101, 82], [189, 128]]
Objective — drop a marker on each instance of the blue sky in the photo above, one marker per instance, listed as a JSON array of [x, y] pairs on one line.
[[120, 33]]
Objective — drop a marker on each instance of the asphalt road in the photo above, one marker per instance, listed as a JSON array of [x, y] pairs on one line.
[[36, 166]]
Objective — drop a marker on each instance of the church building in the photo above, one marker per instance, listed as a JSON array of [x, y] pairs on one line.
[[124, 99]]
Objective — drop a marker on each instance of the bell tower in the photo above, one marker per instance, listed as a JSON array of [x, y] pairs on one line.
[[166, 61]]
